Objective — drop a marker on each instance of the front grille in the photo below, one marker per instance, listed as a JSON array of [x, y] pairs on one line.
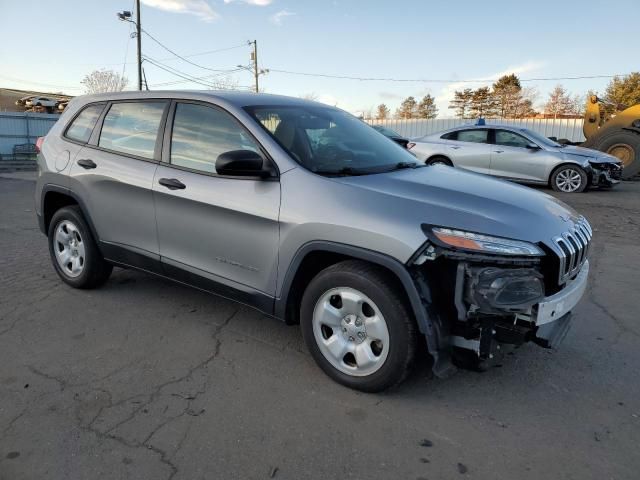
[[572, 248]]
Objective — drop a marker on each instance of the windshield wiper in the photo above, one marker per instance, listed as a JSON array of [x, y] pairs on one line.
[[402, 165], [346, 171]]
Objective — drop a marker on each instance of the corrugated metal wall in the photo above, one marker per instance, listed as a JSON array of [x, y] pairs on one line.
[[569, 128], [21, 127]]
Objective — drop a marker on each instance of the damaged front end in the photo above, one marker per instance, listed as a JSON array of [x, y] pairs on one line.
[[482, 292], [605, 174]]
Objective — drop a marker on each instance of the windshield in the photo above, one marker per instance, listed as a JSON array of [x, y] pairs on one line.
[[330, 141], [386, 131], [536, 137]]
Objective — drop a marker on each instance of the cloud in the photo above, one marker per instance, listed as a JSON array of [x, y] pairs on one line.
[[390, 96], [199, 8], [277, 18], [447, 92], [259, 3]]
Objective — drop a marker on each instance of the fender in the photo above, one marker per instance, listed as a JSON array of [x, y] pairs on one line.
[[425, 324], [50, 187]]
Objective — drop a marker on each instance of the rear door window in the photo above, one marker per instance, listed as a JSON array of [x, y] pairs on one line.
[[473, 136], [132, 128], [82, 126]]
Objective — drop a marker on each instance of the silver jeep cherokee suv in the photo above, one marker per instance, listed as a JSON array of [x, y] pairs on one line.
[[309, 215]]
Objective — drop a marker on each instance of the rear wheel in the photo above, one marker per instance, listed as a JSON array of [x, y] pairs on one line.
[[569, 179], [357, 326], [74, 253]]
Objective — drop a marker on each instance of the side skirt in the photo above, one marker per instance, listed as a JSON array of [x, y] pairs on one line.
[[130, 257]]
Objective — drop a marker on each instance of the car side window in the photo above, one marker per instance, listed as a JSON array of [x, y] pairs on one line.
[[473, 136], [132, 128], [82, 126], [511, 139], [450, 136], [201, 133]]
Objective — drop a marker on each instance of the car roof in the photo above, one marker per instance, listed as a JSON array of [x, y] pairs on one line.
[[481, 127], [239, 99]]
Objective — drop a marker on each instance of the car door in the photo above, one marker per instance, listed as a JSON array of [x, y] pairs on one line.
[[513, 157], [470, 149], [113, 176], [222, 231]]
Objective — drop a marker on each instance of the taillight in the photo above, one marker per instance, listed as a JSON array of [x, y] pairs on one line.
[[39, 143], [410, 145]]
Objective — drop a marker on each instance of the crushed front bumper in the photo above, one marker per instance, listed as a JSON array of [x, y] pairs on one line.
[[552, 316], [605, 175]]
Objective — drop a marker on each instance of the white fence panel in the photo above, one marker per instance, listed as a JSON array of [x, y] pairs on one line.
[[569, 128]]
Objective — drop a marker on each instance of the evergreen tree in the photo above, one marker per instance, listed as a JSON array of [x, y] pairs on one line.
[[408, 108], [461, 102], [427, 108], [382, 112]]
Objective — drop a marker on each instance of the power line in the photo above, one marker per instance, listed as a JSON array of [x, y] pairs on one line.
[[207, 77], [185, 76], [180, 56], [426, 80], [22, 80]]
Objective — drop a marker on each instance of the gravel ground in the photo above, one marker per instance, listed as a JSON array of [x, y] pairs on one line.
[[146, 379]]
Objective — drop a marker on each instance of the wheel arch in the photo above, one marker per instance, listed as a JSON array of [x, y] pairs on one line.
[[55, 197], [438, 155]]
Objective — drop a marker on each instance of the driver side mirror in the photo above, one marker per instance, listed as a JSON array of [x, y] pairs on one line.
[[242, 163], [533, 146]]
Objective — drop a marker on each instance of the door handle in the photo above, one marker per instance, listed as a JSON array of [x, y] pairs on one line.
[[172, 183], [454, 148], [498, 151], [87, 163]]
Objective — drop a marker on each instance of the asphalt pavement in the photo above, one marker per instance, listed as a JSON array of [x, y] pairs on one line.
[[147, 379]]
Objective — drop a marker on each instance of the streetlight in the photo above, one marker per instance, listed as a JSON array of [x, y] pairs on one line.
[[125, 16]]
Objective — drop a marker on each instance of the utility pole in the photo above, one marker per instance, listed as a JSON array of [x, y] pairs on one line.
[[254, 57], [139, 39]]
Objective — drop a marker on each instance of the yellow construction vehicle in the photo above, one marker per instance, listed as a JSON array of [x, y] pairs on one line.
[[618, 135]]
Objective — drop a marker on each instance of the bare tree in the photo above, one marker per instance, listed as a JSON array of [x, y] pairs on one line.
[[560, 103], [101, 81], [223, 83], [313, 96]]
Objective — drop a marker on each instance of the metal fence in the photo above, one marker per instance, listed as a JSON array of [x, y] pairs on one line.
[[21, 127], [569, 128]]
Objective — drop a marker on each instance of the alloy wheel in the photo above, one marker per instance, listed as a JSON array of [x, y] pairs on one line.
[[568, 180]]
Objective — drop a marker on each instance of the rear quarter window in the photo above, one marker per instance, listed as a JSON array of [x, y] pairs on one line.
[[81, 127]]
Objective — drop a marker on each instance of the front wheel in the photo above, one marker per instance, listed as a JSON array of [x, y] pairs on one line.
[[439, 161], [569, 179], [357, 326]]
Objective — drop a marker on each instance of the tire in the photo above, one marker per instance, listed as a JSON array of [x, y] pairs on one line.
[[73, 250], [358, 326], [626, 146], [439, 160], [569, 179]]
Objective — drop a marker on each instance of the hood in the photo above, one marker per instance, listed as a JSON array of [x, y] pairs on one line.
[[445, 196], [581, 154]]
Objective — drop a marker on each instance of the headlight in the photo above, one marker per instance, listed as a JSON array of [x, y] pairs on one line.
[[485, 243]]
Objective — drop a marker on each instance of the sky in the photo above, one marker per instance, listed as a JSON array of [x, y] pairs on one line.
[[403, 39]]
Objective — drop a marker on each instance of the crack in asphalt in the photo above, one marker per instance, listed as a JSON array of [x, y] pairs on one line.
[[165, 458], [591, 293]]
